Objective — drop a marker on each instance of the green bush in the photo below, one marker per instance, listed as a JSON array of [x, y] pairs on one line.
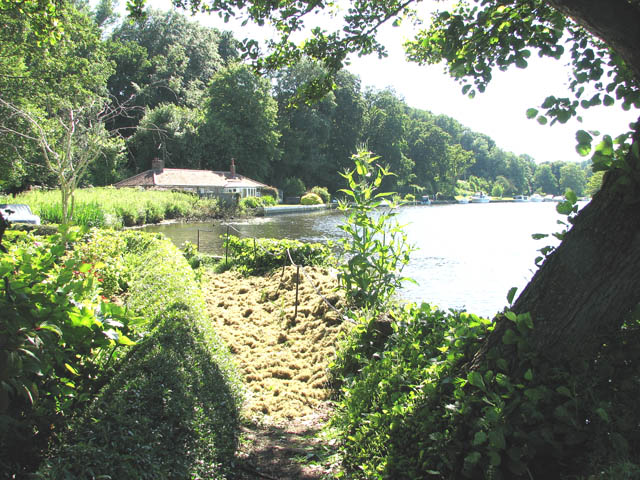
[[269, 201], [258, 256], [322, 192], [293, 187], [411, 409], [171, 411], [59, 339], [269, 192], [311, 199]]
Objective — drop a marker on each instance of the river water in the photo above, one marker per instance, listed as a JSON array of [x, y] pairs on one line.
[[467, 257]]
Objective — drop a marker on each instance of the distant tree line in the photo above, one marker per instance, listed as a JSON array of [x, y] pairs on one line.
[[195, 105]]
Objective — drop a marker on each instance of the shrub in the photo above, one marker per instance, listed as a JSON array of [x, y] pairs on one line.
[[58, 339], [323, 193], [409, 197], [171, 411], [412, 407], [269, 192], [258, 256], [311, 199], [250, 202], [293, 187], [268, 201]]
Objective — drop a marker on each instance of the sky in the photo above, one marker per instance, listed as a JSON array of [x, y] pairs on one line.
[[499, 112]]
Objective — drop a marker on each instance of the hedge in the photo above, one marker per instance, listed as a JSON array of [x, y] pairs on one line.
[[171, 411]]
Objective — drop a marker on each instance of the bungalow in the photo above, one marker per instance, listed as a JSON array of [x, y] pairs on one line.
[[227, 185]]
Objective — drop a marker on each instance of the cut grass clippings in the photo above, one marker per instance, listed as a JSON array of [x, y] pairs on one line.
[[284, 361]]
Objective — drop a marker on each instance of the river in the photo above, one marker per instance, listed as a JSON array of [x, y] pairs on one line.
[[467, 257]]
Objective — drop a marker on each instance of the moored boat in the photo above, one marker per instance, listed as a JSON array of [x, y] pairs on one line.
[[521, 198], [480, 197]]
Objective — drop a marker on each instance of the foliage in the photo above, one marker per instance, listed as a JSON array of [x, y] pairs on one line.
[[269, 192], [311, 199], [111, 207], [240, 122], [376, 248], [171, 410], [322, 192], [414, 407], [59, 336], [293, 187], [256, 256], [197, 259]]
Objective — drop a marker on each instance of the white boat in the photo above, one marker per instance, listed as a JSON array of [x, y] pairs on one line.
[[535, 198], [548, 198], [558, 198], [521, 198], [463, 200], [480, 197]]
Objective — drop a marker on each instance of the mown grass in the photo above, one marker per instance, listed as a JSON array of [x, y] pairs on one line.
[[111, 207]]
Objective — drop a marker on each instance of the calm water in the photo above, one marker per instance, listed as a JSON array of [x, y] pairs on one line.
[[468, 256]]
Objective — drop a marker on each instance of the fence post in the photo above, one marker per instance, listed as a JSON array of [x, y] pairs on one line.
[[295, 313], [198, 247], [255, 260], [226, 248]]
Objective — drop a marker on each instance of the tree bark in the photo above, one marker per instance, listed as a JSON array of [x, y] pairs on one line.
[[616, 22], [591, 283]]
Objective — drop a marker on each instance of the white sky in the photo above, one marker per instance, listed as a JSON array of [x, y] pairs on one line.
[[498, 112]]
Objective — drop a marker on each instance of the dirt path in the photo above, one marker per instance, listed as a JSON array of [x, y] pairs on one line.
[[284, 361]]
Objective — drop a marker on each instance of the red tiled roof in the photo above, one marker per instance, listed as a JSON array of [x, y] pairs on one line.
[[180, 177]]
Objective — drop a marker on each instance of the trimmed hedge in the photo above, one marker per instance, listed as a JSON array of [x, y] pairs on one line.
[[172, 409], [311, 199]]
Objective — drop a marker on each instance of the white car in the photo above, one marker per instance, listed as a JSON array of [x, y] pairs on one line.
[[18, 213]]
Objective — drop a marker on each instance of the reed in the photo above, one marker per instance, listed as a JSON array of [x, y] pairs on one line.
[[111, 207]]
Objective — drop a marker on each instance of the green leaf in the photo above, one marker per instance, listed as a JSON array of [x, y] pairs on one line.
[[531, 113], [472, 458], [509, 337], [475, 379], [602, 413], [479, 438], [510, 315], [528, 375], [71, 369], [511, 294], [584, 137]]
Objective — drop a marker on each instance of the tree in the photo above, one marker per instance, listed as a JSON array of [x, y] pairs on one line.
[[240, 123], [164, 58], [171, 133], [69, 142], [544, 180], [305, 128], [572, 176], [44, 79], [384, 128]]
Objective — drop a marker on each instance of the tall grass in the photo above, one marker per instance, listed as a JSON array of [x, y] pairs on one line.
[[111, 207]]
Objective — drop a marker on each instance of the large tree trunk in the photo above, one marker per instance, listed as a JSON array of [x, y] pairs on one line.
[[591, 283]]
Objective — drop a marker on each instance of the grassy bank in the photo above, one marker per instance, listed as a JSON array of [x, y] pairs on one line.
[[111, 207]]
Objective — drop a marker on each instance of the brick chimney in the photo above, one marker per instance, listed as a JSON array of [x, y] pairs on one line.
[[157, 165], [232, 169]]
